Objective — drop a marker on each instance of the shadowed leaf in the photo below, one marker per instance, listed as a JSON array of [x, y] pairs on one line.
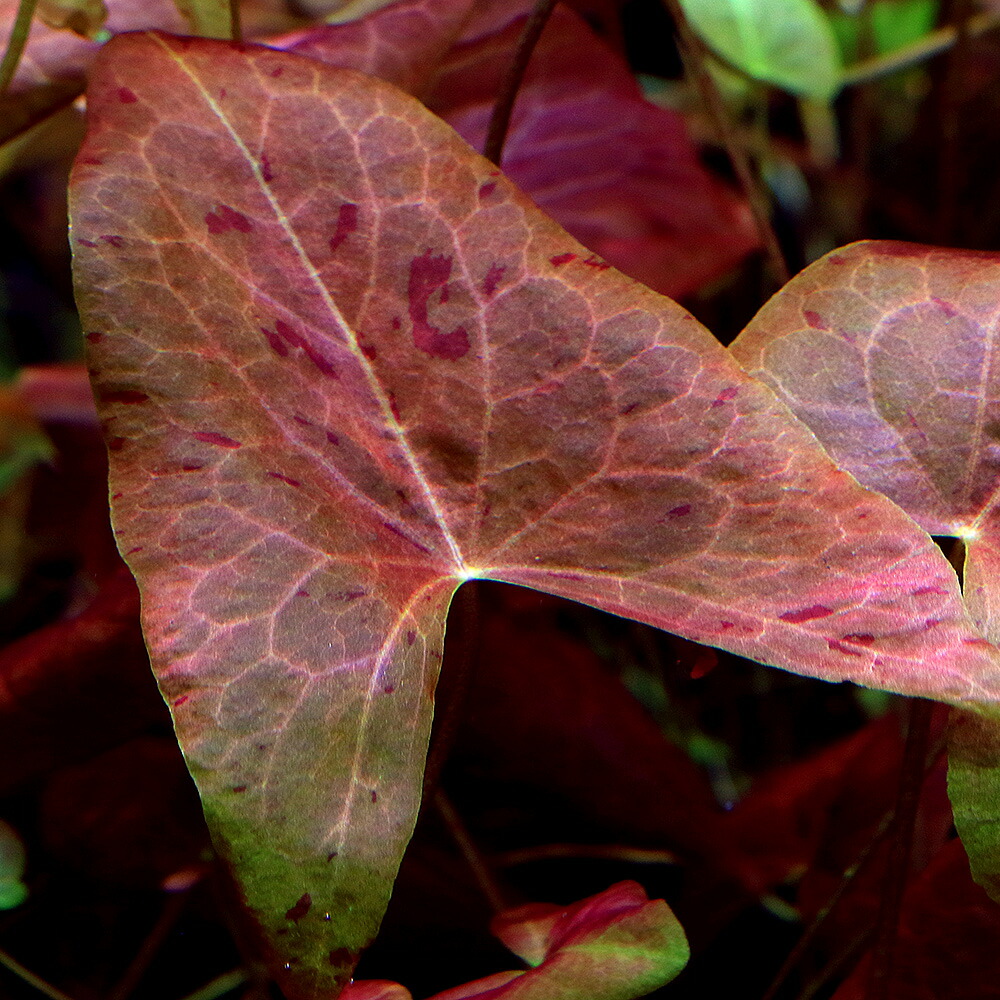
[[345, 365]]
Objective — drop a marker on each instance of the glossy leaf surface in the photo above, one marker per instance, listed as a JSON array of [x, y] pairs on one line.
[[345, 365]]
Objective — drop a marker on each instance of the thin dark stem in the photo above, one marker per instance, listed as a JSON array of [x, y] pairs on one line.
[[694, 54], [819, 921], [172, 908], [911, 778], [922, 49], [8, 961], [496, 134], [480, 868], [16, 43], [220, 986], [236, 25], [947, 228], [842, 960]]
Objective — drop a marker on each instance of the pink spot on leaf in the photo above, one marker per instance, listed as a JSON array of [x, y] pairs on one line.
[[124, 396], [347, 223], [485, 190], [332, 438], [596, 262], [839, 647], [814, 319], [322, 364], [180, 701], [284, 479], [116, 241], [225, 218], [806, 614], [211, 437], [680, 511], [562, 258], [127, 96], [725, 396], [859, 638], [923, 591], [265, 169], [948, 308], [87, 243], [428, 273], [374, 796], [302, 906], [404, 536], [411, 637], [95, 337], [388, 689], [287, 333], [239, 788], [492, 279]]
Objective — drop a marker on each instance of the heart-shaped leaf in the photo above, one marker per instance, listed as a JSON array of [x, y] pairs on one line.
[[344, 365], [886, 351]]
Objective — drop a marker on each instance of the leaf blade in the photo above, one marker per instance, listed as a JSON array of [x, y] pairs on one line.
[[336, 387]]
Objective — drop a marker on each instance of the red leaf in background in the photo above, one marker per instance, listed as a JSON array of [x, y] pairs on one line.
[[621, 174], [313, 445], [75, 687], [949, 946], [402, 44], [542, 711], [128, 816], [816, 816]]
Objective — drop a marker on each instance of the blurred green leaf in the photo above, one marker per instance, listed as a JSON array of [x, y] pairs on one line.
[[788, 43], [13, 891], [892, 24]]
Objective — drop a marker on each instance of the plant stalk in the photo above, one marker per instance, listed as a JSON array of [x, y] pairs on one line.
[[16, 43], [911, 779], [693, 54], [496, 134]]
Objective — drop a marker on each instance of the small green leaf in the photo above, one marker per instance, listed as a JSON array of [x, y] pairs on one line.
[[974, 790], [208, 18], [13, 891], [788, 43], [85, 17]]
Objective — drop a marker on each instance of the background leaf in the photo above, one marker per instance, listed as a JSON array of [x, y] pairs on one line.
[[334, 387], [785, 42]]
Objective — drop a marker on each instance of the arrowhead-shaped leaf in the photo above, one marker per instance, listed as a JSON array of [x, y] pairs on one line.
[[886, 351], [345, 365]]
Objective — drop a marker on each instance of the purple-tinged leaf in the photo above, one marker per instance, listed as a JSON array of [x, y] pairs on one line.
[[345, 365]]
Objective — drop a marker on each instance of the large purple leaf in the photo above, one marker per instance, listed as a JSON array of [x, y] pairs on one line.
[[345, 365]]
